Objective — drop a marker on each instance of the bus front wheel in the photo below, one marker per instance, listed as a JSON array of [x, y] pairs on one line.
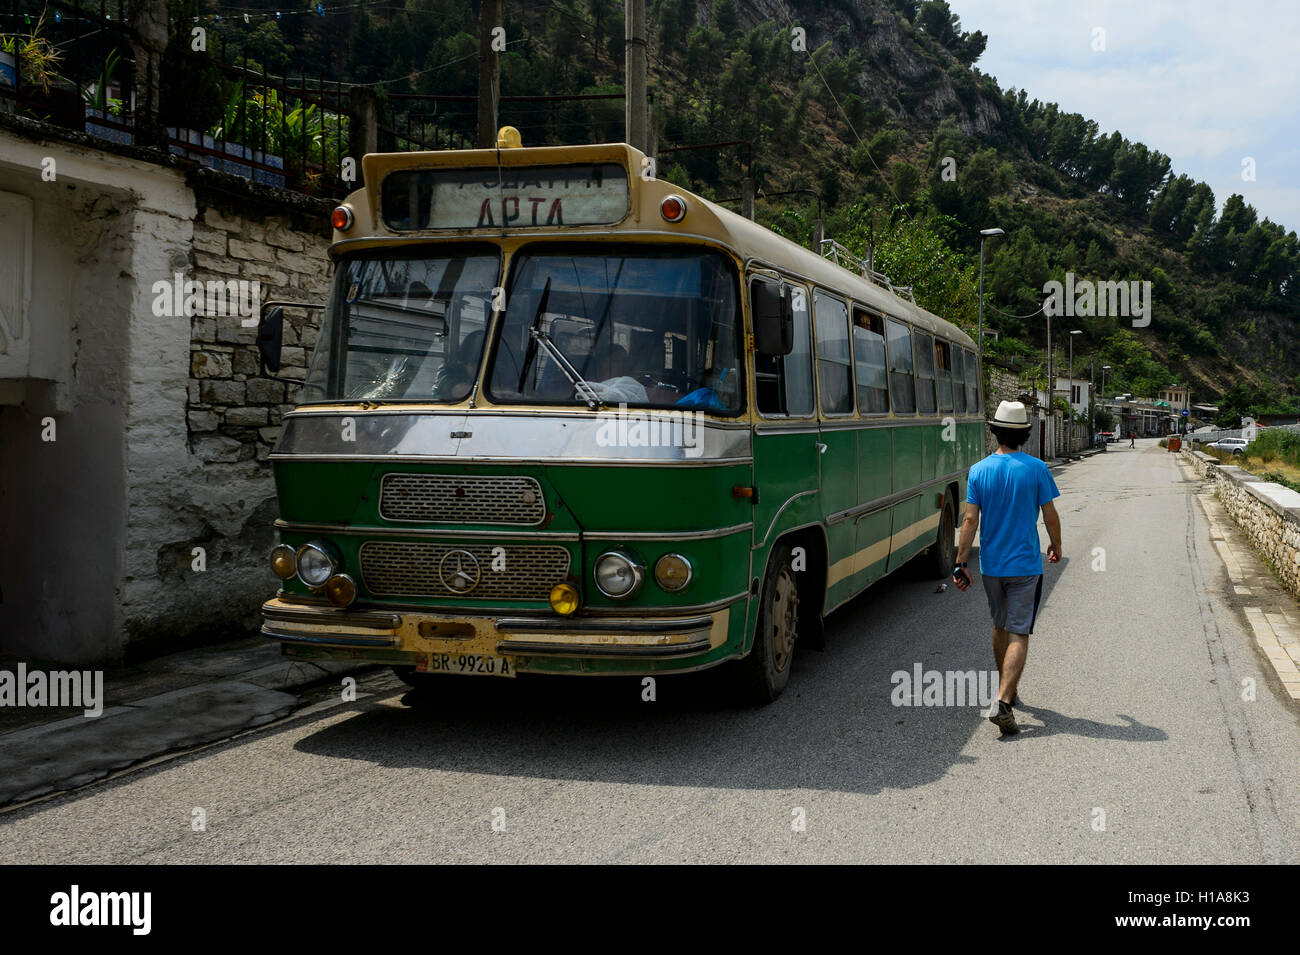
[[764, 673]]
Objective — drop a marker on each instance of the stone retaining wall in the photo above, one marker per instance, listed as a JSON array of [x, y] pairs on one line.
[[1269, 513]]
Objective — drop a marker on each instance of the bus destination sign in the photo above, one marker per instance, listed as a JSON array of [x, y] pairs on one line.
[[506, 197]]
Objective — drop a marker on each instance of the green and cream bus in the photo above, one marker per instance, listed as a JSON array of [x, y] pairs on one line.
[[565, 418]]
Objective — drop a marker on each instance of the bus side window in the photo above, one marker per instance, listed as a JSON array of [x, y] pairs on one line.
[[973, 376], [902, 389], [869, 362], [958, 358], [924, 372], [943, 373], [834, 364], [783, 383]]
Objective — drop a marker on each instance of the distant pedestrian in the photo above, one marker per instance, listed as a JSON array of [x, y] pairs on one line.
[[1132, 439], [1006, 490]]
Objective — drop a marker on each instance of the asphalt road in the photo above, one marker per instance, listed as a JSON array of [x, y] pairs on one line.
[[1137, 746]]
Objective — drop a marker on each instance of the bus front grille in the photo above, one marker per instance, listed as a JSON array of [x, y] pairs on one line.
[[474, 571], [461, 499]]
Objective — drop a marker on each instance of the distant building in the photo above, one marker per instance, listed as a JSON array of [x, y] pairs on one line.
[[1078, 392]]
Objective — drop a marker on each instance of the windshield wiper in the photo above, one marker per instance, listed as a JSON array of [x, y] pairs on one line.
[[581, 385], [538, 337]]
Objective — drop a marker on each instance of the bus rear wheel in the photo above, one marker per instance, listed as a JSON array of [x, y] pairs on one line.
[[765, 672], [940, 559]]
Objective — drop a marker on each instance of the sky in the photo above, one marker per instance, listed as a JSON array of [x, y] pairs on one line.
[[1208, 84]]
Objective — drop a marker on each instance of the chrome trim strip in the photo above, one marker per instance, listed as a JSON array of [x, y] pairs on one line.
[[327, 640], [592, 462], [858, 510], [672, 437], [802, 427], [777, 516], [582, 625], [538, 648], [388, 532], [667, 535], [367, 621], [444, 611]]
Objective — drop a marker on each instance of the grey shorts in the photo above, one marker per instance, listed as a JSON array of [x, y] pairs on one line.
[[1013, 601]]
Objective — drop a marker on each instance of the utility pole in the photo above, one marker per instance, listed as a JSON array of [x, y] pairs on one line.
[[635, 81], [490, 34]]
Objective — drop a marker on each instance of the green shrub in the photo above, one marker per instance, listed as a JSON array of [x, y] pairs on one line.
[[1273, 445], [1279, 478]]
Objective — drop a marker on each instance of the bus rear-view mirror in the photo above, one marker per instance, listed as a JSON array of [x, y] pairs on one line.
[[773, 318], [270, 337]]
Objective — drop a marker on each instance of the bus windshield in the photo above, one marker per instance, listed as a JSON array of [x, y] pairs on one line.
[[404, 329], [647, 327]]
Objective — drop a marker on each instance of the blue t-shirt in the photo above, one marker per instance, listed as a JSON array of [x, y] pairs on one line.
[[1009, 489]]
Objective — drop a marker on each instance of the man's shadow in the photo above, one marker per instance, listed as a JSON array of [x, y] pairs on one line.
[[1053, 723]]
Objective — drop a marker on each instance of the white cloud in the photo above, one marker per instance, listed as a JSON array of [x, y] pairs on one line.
[[1204, 83]]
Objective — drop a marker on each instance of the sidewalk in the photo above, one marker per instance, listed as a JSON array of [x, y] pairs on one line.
[[159, 706]]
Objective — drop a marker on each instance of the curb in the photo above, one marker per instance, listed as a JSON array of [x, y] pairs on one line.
[[73, 752]]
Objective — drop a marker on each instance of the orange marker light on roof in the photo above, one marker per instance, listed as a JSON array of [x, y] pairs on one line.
[[673, 209], [341, 218]]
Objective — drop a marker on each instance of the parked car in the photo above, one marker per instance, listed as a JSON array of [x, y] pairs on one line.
[[1109, 436], [1235, 445]]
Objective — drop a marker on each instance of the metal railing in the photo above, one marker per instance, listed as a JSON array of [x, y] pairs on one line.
[[845, 259]]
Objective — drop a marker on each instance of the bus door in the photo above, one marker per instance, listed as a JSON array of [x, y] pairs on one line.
[[839, 442], [906, 463], [875, 447], [786, 436]]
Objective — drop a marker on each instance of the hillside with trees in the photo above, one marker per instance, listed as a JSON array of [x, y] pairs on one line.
[[881, 121]]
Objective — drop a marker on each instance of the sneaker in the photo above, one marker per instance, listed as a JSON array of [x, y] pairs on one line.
[[1004, 719]]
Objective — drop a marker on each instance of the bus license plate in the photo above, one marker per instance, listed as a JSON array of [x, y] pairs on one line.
[[468, 664]]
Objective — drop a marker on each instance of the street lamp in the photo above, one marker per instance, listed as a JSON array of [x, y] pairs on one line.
[[1104, 369], [984, 234], [1073, 332]]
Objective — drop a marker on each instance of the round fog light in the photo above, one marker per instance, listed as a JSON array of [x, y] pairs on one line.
[[284, 561], [564, 598], [618, 575], [315, 564], [341, 590], [672, 572]]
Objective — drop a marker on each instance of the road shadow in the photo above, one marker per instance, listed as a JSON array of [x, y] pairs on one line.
[[837, 727], [1054, 723]]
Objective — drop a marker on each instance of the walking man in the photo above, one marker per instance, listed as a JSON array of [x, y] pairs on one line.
[[1132, 439], [1007, 489]]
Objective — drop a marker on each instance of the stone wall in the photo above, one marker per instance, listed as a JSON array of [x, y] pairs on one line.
[[233, 412], [1269, 513]]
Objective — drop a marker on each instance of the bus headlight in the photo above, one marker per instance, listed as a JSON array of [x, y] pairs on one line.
[[672, 572], [618, 575], [564, 598], [284, 561], [317, 563], [341, 590]]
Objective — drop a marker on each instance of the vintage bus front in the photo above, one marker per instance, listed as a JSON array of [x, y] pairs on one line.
[[523, 443]]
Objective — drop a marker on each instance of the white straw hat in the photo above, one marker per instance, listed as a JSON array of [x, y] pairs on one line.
[[1011, 414]]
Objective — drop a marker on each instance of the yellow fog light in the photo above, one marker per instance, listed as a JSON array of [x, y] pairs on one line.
[[672, 572], [564, 598], [341, 590], [284, 561]]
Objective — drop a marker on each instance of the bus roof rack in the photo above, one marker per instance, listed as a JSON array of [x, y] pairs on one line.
[[847, 260]]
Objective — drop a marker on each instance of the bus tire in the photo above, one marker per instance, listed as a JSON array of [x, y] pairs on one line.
[[940, 559], [764, 673]]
